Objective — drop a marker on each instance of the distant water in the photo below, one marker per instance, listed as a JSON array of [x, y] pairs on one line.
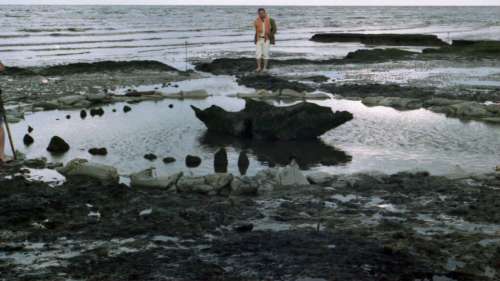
[[40, 35]]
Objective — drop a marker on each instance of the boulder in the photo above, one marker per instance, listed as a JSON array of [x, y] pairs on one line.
[[220, 161], [28, 140], [291, 175], [126, 108], [244, 186], [147, 179], [193, 161], [83, 114], [71, 100], [97, 98], [47, 105], [317, 96], [82, 167], [209, 184], [320, 178], [260, 120], [57, 145], [469, 109], [30, 129], [289, 93]]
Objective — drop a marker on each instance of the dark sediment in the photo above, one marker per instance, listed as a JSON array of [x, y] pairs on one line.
[[103, 66], [380, 39], [272, 83], [260, 120], [198, 237]]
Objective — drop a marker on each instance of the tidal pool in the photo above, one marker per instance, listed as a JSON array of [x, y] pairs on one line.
[[379, 138]]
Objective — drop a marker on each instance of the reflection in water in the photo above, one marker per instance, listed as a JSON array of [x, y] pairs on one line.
[[308, 153]]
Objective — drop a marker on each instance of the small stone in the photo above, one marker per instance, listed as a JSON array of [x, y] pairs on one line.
[[171, 106], [68, 116], [146, 212], [150, 157], [243, 163], [220, 161], [114, 110], [30, 129], [193, 161], [96, 111], [98, 151], [83, 114], [243, 227], [28, 140], [168, 160], [126, 108], [57, 145]]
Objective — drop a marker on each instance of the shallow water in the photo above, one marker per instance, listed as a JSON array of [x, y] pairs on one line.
[[379, 138], [35, 35]]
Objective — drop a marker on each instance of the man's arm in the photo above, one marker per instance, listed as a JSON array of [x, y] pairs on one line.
[[274, 27]]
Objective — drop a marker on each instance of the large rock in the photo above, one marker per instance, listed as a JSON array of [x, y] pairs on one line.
[[57, 145], [82, 167], [244, 186], [320, 178], [71, 100], [146, 178], [260, 120], [210, 184], [291, 175]]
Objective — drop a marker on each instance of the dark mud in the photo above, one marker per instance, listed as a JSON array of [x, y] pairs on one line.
[[272, 83], [406, 226], [102, 66], [380, 39]]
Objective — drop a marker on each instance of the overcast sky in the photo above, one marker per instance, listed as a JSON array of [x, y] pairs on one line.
[[262, 2]]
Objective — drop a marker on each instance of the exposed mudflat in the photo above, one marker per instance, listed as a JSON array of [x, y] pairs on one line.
[[408, 226]]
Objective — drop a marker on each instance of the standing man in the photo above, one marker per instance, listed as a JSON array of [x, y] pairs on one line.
[[265, 29], [2, 133]]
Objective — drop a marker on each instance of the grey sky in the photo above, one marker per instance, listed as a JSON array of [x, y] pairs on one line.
[[263, 2]]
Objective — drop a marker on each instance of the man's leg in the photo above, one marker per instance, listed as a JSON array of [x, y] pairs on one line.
[[258, 55], [2, 144], [265, 53]]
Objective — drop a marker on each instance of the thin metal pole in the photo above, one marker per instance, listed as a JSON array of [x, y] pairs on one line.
[[4, 115], [186, 45]]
